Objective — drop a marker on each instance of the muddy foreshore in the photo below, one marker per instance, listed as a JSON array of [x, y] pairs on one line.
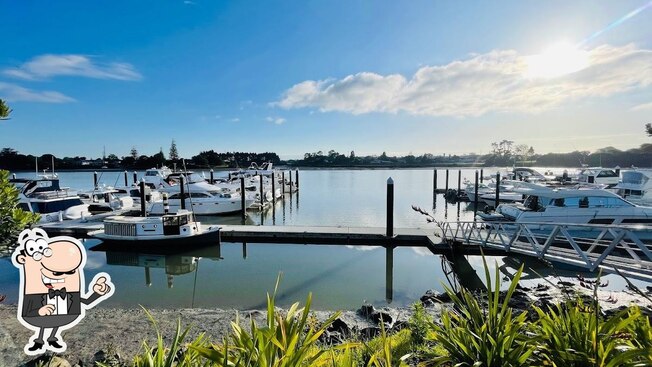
[[107, 334]]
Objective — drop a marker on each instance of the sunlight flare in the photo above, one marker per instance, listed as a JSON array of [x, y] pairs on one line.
[[558, 60]]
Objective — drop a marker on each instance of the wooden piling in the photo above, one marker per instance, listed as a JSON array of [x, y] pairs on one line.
[[148, 277], [434, 181], [212, 177], [273, 189], [497, 190], [481, 175], [143, 202], [95, 179], [475, 196], [243, 212], [390, 208], [182, 191], [446, 181], [135, 177], [296, 175], [290, 174], [459, 181], [283, 179], [244, 250], [262, 203]]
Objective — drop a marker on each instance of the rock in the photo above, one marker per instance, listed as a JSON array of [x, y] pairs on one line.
[[542, 287], [431, 297], [47, 360], [521, 288], [366, 310], [369, 332], [339, 326], [565, 284], [371, 313]]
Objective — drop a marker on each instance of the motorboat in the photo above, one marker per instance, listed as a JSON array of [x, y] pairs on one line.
[[168, 229], [487, 192], [45, 196], [106, 199], [572, 206], [202, 202], [598, 175], [636, 186]]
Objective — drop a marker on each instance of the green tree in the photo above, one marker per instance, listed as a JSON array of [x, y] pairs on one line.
[[174, 154], [12, 219], [134, 153], [5, 111]]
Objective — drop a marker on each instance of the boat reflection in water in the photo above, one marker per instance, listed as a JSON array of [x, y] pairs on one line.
[[174, 262]]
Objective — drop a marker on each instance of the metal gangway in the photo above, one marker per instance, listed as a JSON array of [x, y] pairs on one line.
[[624, 249]]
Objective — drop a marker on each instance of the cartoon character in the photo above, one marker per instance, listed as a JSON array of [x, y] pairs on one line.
[[52, 287]]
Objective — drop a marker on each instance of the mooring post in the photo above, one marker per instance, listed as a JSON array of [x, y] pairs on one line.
[[446, 181], [212, 178], [126, 179], [283, 179], [497, 189], [230, 177], [166, 203], [135, 177], [434, 181], [273, 189], [148, 277], [13, 176], [143, 202], [390, 208], [389, 273], [95, 179], [481, 175], [290, 174], [296, 175], [244, 250], [243, 212], [182, 191], [475, 196], [260, 177], [459, 181]]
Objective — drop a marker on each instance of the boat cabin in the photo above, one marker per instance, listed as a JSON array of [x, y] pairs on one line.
[[180, 223]]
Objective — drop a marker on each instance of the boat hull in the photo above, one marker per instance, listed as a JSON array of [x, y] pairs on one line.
[[211, 235]]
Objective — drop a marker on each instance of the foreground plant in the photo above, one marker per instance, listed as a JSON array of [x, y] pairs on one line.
[[286, 340], [12, 219], [473, 335]]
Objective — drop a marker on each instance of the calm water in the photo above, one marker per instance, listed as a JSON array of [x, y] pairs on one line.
[[340, 277]]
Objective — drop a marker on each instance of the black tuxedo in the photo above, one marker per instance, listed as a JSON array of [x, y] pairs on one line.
[[33, 302]]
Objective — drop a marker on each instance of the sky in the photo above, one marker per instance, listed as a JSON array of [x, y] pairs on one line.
[[402, 77]]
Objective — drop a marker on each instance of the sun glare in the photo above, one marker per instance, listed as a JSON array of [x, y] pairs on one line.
[[559, 59]]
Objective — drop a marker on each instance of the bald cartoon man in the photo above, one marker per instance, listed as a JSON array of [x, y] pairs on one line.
[[52, 287]]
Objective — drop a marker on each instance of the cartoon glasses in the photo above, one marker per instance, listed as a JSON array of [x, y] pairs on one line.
[[38, 248]]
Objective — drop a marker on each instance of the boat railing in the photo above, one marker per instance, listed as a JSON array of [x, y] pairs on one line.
[[614, 248], [47, 195]]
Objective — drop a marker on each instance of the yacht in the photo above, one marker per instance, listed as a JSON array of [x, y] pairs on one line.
[[598, 175], [203, 202], [106, 199], [487, 192], [169, 229], [636, 186], [45, 196], [574, 207]]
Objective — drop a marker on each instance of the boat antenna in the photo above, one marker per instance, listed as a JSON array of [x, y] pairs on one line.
[[185, 171], [36, 159], [53, 174]]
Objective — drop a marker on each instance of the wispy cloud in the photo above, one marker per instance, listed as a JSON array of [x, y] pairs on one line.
[[235, 119], [642, 107], [15, 93], [493, 82], [276, 120], [47, 66]]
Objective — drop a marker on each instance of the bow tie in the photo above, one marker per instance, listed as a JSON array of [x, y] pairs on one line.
[[61, 293]]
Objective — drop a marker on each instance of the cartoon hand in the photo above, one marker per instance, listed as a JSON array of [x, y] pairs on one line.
[[46, 310], [101, 287]]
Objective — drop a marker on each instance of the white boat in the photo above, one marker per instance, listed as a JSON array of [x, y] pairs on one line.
[[487, 193], [45, 196], [105, 199], [177, 228], [636, 186], [598, 175], [203, 202], [573, 206]]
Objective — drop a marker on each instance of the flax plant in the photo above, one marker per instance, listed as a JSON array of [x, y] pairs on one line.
[[473, 335]]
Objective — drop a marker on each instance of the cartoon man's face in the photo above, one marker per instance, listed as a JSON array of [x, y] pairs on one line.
[[54, 269]]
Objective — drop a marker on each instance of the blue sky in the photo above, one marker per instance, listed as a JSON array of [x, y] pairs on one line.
[[301, 76]]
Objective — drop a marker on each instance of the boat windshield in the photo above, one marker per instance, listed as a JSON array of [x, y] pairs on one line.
[[635, 178], [585, 202], [55, 206]]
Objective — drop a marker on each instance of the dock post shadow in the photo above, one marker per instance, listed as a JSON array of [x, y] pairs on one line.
[[148, 277], [244, 250], [466, 276]]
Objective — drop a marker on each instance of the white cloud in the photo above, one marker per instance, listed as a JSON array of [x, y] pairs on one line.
[[493, 82], [235, 119], [642, 107], [16, 93], [276, 120], [46, 66]]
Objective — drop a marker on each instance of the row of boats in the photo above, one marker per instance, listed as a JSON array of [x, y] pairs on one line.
[[598, 196], [45, 195]]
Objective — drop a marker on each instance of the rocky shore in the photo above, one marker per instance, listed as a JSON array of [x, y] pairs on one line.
[[116, 335]]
